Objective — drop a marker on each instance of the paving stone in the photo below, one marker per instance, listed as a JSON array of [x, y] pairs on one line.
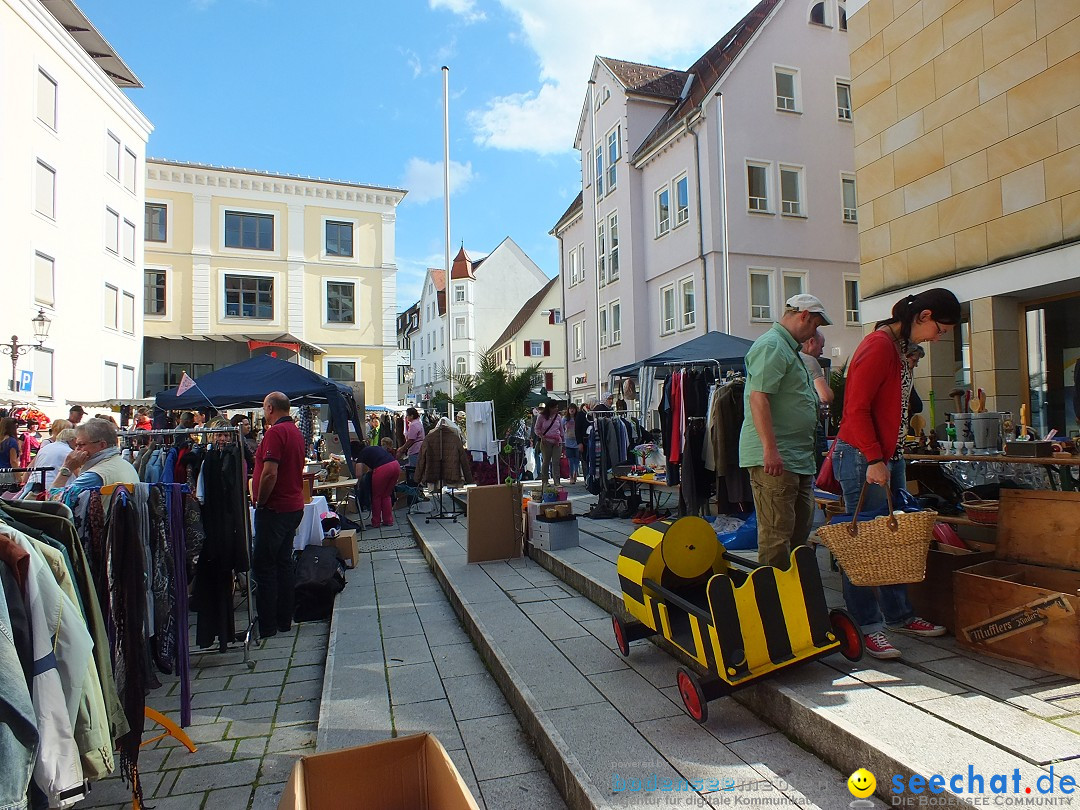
[[897, 679], [529, 594], [533, 608], [1039, 708], [728, 720], [250, 711], [691, 750], [414, 683], [254, 680], [444, 631], [309, 672], [293, 738], [304, 690], [473, 696], [434, 716], [229, 798], [275, 664], [557, 592], [1059, 690], [460, 758], [761, 794], [521, 792], [206, 754], [497, 747], [223, 697], [400, 622], [186, 802], [206, 733], [209, 777], [582, 609], [250, 728], [304, 711], [305, 657], [261, 694], [267, 796], [633, 696], [985, 678], [275, 767], [406, 650], [455, 660], [590, 656], [557, 625], [1071, 722], [206, 684], [251, 747], [1030, 737]]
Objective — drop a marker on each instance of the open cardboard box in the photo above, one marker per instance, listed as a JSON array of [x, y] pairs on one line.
[[406, 773], [1024, 605], [345, 542]]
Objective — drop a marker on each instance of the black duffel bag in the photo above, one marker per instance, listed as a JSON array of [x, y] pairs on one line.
[[320, 576]]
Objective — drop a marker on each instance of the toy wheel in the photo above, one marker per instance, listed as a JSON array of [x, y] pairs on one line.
[[847, 633], [621, 639], [693, 697]]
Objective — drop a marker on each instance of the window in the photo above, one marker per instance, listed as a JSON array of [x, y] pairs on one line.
[[459, 293], [757, 185], [460, 366], [44, 279], [613, 246], [249, 231], [129, 240], [663, 211], [127, 382], [601, 254], [785, 89], [579, 340], [112, 231], [156, 222], [613, 155], [442, 336], [112, 156], [153, 292], [555, 317], [129, 314], [791, 191], [843, 101], [616, 322], [599, 171], [536, 348], [587, 168], [688, 302], [339, 238], [761, 295], [682, 201], [46, 101], [794, 284], [603, 327], [572, 265], [843, 17], [130, 166], [45, 190], [817, 13], [108, 381], [851, 301], [667, 309], [340, 302], [43, 373], [847, 189], [341, 370], [112, 301], [249, 297], [459, 329]]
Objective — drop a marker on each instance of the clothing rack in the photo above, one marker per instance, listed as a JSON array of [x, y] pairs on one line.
[[454, 512], [251, 634]]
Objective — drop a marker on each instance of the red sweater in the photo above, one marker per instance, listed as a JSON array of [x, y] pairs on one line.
[[872, 399]]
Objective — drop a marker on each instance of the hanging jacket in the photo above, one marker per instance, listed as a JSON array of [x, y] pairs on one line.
[[18, 727], [443, 459]]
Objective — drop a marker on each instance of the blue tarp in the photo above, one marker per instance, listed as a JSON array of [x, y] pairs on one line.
[[727, 349], [246, 384]]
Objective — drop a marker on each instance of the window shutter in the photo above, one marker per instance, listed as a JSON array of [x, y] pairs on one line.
[[526, 349], [547, 348], [551, 316], [549, 381]]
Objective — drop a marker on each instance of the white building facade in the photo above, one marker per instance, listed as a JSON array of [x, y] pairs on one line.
[[72, 215], [711, 195], [537, 336]]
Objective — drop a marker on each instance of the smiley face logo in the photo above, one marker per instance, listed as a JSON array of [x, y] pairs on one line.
[[861, 783]]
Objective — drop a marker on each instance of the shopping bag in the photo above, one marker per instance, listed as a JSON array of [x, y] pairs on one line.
[[826, 478]]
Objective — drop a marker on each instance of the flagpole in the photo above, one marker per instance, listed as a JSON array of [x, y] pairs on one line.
[[446, 215]]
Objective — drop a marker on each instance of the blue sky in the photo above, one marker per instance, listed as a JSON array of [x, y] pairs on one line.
[[352, 90]]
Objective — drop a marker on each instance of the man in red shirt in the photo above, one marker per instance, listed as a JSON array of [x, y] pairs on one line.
[[279, 507]]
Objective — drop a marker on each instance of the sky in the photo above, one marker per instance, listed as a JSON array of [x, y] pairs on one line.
[[352, 90]]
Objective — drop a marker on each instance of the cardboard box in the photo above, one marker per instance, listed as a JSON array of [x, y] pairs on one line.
[[552, 535], [406, 773], [932, 598], [495, 525], [1024, 605], [345, 543]]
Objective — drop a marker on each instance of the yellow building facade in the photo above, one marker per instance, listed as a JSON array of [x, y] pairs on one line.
[[967, 152], [239, 263]]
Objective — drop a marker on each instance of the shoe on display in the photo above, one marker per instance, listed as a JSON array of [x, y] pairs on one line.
[[877, 646], [920, 627]]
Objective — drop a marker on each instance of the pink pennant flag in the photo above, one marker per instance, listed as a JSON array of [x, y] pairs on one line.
[[186, 384]]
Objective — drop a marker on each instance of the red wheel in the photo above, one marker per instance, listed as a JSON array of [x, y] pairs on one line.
[[848, 634], [693, 697], [620, 635]]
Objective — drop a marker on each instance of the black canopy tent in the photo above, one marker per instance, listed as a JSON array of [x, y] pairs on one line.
[[724, 349], [246, 384]]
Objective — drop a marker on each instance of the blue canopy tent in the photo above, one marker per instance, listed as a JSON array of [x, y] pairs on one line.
[[725, 349], [246, 384]]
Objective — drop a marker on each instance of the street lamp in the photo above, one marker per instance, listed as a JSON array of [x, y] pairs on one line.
[[17, 350], [511, 368]]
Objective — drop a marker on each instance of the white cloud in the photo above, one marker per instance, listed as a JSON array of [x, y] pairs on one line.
[[567, 34], [466, 9], [424, 179]]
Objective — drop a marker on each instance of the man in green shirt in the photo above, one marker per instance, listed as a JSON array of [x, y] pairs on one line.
[[777, 439]]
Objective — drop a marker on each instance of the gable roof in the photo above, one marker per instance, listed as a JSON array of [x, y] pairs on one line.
[[576, 207], [523, 315], [648, 80], [708, 70]]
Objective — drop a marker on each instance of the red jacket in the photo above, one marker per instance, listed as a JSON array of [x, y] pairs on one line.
[[873, 404]]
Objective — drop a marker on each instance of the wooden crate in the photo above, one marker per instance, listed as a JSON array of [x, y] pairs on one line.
[[1024, 605], [932, 598]]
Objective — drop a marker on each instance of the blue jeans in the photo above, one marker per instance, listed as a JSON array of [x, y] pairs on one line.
[[573, 455], [868, 605]]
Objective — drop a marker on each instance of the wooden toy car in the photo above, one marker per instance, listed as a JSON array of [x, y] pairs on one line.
[[737, 625]]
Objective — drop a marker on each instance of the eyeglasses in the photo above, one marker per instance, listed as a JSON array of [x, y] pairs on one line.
[[941, 332], [79, 444]]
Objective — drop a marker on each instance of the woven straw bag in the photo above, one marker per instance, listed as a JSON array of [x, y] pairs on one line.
[[888, 550]]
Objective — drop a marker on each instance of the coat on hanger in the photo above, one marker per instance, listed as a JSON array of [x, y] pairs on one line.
[[444, 459]]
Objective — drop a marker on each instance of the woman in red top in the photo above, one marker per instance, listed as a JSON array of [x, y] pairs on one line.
[[870, 442]]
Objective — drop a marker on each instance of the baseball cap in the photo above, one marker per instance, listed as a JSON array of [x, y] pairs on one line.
[[76, 409], [804, 302]]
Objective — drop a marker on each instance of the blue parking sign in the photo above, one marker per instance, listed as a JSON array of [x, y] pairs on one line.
[[26, 380]]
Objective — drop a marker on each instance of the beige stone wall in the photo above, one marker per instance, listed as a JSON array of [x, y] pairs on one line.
[[967, 133]]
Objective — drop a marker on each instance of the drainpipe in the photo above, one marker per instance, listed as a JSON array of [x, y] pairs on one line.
[[596, 257], [725, 263], [700, 230]]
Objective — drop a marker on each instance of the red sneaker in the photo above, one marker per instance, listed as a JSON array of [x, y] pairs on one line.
[[878, 646], [920, 627]]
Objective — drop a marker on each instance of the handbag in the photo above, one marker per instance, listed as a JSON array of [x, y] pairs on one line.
[[826, 478], [887, 550], [564, 467]]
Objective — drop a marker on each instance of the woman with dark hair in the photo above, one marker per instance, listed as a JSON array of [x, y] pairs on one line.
[[9, 443], [570, 441], [870, 441], [548, 429]]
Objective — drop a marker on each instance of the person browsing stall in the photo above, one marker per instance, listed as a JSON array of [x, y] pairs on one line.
[[277, 486], [95, 461], [777, 438], [385, 471], [414, 437]]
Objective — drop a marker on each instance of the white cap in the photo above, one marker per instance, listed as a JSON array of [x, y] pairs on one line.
[[804, 302]]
